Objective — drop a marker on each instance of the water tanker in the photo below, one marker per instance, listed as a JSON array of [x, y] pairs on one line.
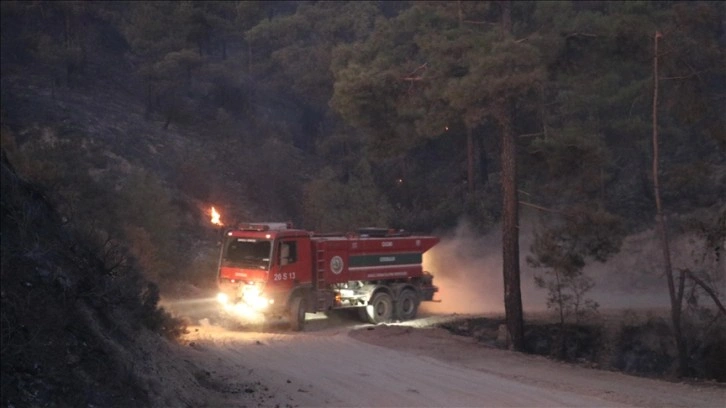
[[276, 270]]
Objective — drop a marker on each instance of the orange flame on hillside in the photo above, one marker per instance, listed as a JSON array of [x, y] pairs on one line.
[[215, 217]]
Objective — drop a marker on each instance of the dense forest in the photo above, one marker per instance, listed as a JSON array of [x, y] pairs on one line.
[[136, 117], [398, 109]]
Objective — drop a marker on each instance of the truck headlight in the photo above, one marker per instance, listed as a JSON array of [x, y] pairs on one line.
[[252, 296], [222, 298], [256, 300]]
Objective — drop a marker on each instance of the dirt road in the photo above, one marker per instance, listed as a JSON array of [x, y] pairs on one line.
[[344, 364]]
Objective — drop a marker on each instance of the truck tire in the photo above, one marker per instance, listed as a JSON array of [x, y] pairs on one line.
[[380, 308], [297, 313], [407, 305]]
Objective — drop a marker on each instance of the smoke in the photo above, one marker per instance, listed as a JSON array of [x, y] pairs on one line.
[[635, 278], [467, 268]]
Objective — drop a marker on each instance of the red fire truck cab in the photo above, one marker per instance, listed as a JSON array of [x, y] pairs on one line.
[[276, 270]]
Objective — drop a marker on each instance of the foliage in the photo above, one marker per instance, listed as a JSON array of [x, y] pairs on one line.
[[562, 248], [61, 282], [704, 271], [402, 75], [291, 49], [149, 223], [139, 214], [333, 205]]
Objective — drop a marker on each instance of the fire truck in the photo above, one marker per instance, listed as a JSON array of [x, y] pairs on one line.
[[273, 269]]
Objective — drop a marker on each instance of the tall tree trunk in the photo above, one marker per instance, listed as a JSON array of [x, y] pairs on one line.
[[469, 160], [460, 14], [249, 58], [506, 16], [149, 101], [469, 137], [510, 211], [676, 296], [483, 161], [510, 232]]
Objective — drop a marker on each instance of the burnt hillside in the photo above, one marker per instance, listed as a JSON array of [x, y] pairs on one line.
[[80, 325]]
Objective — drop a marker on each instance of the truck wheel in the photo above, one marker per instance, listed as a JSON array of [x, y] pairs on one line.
[[407, 305], [380, 308], [297, 313]]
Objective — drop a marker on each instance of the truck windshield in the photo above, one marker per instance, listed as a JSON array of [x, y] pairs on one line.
[[245, 252]]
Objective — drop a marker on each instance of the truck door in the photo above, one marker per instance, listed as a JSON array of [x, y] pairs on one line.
[[293, 264]]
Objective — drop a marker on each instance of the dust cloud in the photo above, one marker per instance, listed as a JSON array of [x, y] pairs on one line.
[[195, 310], [634, 277], [467, 268]]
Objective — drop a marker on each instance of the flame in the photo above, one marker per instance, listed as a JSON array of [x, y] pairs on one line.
[[215, 217]]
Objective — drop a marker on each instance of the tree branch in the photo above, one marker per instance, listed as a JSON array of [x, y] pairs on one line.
[[412, 76], [683, 76], [479, 22], [532, 134], [577, 34], [707, 288], [537, 207]]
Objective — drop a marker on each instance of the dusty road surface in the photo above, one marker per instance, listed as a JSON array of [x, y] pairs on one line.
[[345, 364]]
